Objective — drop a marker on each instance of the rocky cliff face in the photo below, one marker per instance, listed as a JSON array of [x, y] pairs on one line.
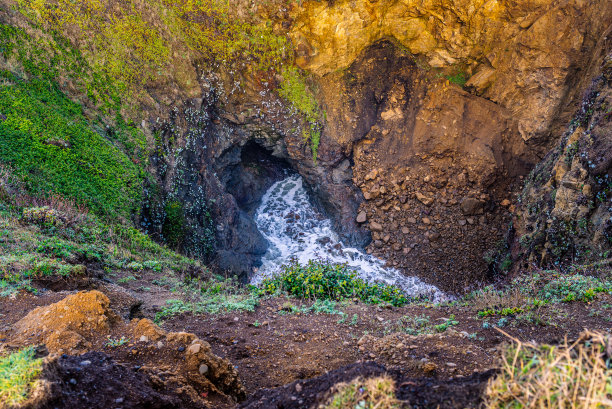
[[566, 213], [429, 114], [434, 112]]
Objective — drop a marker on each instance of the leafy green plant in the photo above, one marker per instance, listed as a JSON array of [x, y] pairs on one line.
[[415, 325], [18, 372], [116, 342], [327, 281], [459, 78], [448, 322]]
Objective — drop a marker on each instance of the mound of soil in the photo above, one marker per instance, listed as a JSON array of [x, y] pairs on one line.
[[94, 380], [70, 325], [418, 393], [180, 361]]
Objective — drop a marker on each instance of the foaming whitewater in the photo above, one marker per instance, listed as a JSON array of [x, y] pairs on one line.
[[295, 229]]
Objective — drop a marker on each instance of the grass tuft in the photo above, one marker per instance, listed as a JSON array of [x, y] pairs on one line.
[[18, 372], [373, 393], [576, 375]]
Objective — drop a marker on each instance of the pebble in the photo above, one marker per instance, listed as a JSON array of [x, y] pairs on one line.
[[85, 363], [203, 369], [362, 217], [298, 387], [73, 381], [119, 400], [194, 349], [144, 338], [181, 349], [451, 364], [376, 226]]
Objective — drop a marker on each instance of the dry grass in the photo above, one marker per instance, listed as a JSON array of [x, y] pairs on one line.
[[574, 375], [372, 393]]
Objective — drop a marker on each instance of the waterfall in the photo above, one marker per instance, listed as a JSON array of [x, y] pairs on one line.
[[294, 228]]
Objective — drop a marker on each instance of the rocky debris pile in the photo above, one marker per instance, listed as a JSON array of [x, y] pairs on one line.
[[423, 225], [178, 361]]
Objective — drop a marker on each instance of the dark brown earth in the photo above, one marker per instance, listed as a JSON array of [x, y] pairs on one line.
[[272, 347]]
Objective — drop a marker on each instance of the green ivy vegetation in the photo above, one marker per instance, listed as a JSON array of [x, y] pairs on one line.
[[50, 144], [323, 280], [295, 90]]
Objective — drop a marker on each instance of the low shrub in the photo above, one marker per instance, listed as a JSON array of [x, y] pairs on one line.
[[323, 280]]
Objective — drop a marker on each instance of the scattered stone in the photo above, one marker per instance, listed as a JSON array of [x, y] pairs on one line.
[[434, 236], [362, 217], [85, 363], [376, 226], [194, 349], [429, 367], [471, 206], [411, 220], [373, 174], [451, 364], [203, 369], [426, 220], [505, 203], [424, 199], [405, 230], [298, 388], [144, 338]]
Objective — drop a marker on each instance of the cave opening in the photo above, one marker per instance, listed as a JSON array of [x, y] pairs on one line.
[[257, 170]]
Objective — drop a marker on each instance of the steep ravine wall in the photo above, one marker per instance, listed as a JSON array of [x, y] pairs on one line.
[[431, 114]]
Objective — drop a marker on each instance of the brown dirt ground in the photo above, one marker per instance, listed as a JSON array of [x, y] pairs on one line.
[[272, 347]]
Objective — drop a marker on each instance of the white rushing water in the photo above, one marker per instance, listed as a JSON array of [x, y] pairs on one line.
[[295, 229]]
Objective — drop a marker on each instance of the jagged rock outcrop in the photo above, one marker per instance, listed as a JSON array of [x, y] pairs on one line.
[[566, 213]]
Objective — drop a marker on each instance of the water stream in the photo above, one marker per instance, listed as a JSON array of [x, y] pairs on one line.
[[295, 228]]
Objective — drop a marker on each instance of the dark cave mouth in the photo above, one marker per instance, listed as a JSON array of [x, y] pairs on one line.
[[257, 171]]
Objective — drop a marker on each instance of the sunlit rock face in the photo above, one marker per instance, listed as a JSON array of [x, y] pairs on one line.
[[521, 54], [438, 162]]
